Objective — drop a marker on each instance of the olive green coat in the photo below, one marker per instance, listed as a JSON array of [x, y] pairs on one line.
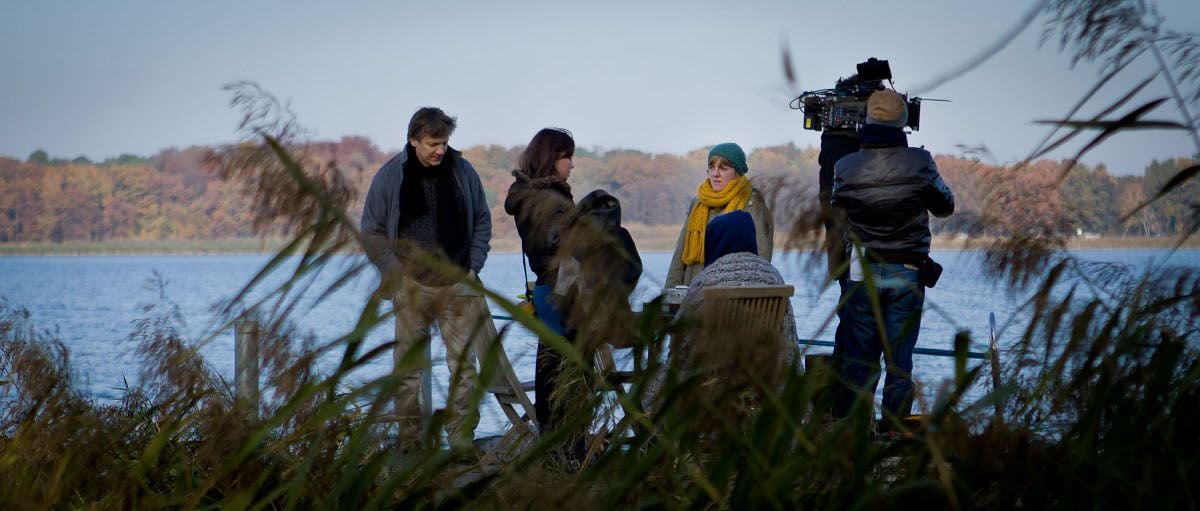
[[764, 229]]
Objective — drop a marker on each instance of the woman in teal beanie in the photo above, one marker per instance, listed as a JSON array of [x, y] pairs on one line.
[[725, 189]]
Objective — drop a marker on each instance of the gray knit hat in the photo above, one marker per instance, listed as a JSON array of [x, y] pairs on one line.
[[887, 108], [733, 153]]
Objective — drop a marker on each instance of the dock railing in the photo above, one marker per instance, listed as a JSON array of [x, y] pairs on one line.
[[976, 355], [247, 337]]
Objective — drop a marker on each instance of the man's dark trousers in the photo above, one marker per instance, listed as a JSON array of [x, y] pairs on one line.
[[859, 345]]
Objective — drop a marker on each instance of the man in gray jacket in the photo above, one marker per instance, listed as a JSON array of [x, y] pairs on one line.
[[425, 216], [887, 191]]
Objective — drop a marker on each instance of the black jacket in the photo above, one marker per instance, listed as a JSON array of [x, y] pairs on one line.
[[595, 300], [599, 215], [541, 209], [887, 194]]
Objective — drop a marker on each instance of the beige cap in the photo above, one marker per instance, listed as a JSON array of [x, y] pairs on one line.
[[888, 108]]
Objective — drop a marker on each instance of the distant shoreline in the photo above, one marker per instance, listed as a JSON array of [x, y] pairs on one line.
[[649, 239]]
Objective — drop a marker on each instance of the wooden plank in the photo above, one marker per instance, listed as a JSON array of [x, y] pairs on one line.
[[505, 392], [747, 292]]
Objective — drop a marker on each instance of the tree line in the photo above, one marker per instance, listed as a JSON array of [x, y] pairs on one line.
[[176, 195]]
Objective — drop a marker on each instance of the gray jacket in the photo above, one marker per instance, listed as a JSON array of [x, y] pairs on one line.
[[887, 194], [381, 213]]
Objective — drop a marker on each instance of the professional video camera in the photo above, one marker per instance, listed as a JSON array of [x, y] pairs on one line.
[[844, 107]]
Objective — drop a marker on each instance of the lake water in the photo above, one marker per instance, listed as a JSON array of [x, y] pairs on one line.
[[90, 303]]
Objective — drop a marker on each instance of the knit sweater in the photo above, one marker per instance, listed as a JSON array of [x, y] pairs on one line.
[[739, 269]]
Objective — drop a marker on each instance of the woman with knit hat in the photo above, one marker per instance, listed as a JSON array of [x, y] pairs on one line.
[[725, 189]]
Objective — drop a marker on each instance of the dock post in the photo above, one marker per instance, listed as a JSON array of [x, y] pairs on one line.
[[994, 359], [246, 336]]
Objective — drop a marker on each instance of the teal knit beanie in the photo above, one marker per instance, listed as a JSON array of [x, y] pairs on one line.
[[732, 152]]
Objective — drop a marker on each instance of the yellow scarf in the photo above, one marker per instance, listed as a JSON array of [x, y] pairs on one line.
[[733, 197]]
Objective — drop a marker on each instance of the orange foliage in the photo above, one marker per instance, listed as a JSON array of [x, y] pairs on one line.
[[173, 195]]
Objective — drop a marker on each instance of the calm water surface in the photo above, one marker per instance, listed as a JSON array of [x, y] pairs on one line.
[[91, 302]]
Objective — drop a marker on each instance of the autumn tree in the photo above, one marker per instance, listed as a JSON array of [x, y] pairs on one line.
[[175, 195]]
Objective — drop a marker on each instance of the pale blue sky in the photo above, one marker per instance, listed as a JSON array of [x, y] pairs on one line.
[[123, 76]]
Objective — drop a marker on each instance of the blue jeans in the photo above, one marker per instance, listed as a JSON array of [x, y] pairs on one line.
[[548, 363], [858, 342], [545, 309]]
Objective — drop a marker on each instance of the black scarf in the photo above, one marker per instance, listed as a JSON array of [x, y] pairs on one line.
[[451, 219], [878, 135]]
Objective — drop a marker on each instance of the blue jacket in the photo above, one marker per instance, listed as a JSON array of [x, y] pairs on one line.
[[381, 214], [887, 194]]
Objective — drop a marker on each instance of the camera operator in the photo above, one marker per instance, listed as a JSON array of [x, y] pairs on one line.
[[835, 143], [886, 190]]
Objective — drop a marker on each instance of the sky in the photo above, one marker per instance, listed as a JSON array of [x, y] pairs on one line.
[[100, 79]]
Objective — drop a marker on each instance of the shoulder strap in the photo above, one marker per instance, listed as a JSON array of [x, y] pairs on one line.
[[525, 271]]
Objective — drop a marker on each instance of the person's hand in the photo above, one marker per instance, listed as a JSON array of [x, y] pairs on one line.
[[464, 288], [390, 282]]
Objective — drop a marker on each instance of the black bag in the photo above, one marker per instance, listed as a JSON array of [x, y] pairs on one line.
[[929, 272]]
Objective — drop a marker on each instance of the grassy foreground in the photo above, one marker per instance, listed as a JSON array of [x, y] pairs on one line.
[[1093, 408]]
